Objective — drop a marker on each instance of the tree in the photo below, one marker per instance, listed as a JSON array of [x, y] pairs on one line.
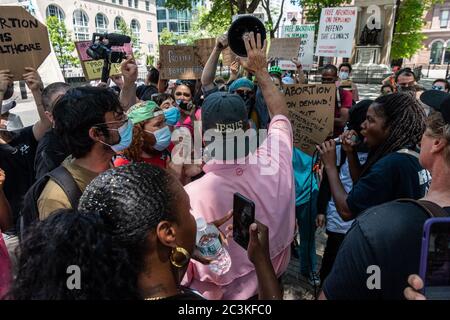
[[125, 30], [271, 12], [62, 43], [408, 36], [167, 38], [313, 8], [239, 6]]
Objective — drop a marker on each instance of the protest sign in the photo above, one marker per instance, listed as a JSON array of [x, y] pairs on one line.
[[23, 41], [92, 69], [203, 49], [179, 62], [336, 32], [306, 52], [311, 111], [284, 48]]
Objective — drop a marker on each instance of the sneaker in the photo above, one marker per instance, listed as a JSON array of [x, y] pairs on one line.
[[314, 279]]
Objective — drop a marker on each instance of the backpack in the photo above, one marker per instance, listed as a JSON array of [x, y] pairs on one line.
[[430, 208], [30, 213]]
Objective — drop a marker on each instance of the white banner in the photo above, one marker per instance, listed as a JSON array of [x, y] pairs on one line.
[[306, 53], [336, 32]]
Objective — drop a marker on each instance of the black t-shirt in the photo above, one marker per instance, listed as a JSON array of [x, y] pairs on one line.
[[50, 153], [388, 236], [144, 92], [17, 160], [396, 175]]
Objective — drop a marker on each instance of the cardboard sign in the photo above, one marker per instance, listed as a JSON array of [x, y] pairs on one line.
[[311, 111], [336, 32], [203, 49], [179, 62], [306, 53], [92, 69], [284, 48], [228, 56], [23, 41]]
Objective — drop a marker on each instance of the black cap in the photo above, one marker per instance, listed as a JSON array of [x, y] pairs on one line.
[[224, 112], [439, 101]]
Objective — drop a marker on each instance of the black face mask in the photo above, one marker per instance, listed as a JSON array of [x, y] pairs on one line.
[[185, 106]]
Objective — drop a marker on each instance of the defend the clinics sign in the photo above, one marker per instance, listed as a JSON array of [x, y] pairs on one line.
[[336, 32]]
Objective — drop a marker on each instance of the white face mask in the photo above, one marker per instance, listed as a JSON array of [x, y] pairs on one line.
[[343, 75]]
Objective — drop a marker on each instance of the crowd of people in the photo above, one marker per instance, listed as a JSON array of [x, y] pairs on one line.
[[113, 177]]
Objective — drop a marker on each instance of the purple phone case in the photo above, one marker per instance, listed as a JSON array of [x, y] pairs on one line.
[[425, 244]]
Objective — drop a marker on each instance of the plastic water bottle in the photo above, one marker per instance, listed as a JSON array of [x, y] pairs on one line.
[[210, 246]]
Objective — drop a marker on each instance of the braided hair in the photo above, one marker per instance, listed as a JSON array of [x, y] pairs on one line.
[[405, 119], [132, 200]]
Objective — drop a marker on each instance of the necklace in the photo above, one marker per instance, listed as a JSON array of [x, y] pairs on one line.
[[155, 298]]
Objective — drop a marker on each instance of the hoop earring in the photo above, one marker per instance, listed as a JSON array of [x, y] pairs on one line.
[[182, 251]]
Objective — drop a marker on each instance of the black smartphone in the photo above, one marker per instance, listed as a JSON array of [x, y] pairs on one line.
[[435, 259], [243, 217]]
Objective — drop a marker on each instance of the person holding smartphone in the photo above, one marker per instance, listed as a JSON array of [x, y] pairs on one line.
[[383, 246]]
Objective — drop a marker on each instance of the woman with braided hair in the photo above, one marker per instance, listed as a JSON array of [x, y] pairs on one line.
[[392, 130]]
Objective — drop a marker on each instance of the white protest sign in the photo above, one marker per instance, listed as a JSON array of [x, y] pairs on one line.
[[336, 32], [306, 53]]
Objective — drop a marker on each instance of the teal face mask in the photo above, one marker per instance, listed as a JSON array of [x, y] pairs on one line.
[[172, 116]]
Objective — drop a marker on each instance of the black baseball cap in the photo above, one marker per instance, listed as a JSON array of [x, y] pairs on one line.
[[439, 101], [225, 112]]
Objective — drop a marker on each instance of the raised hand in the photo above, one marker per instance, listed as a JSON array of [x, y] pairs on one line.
[[256, 60], [33, 80]]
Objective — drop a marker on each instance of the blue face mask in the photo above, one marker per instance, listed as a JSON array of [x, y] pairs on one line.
[[126, 136], [163, 137], [172, 116]]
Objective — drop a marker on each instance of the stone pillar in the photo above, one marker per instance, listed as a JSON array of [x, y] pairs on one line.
[[358, 29], [388, 27]]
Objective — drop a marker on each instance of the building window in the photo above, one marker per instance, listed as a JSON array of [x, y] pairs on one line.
[[117, 22], [447, 54], [101, 23], [121, 2], [162, 26], [436, 52], [113, 1], [183, 27], [444, 18], [149, 25], [173, 14], [173, 26], [130, 3], [55, 11], [161, 14], [80, 25], [147, 5], [136, 4], [136, 29], [160, 3]]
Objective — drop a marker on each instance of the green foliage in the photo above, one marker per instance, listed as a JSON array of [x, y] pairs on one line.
[[125, 30], [150, 60], [314, 7], [62, 42], [408, 35], [167, 38]]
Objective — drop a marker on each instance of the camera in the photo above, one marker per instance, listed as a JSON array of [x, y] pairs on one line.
[[101, 49]]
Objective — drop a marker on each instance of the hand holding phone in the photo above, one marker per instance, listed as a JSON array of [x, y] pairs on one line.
[[435, 259], [243, 217]]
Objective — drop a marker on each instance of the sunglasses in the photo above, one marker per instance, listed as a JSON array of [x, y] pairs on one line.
[[439, 88]]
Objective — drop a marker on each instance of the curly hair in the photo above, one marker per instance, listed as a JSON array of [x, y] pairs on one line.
[[405, 119], [134, 151], [132, 200], [69, 238]]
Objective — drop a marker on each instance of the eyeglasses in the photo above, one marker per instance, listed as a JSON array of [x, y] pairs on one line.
[[439, 88], [117, 124]]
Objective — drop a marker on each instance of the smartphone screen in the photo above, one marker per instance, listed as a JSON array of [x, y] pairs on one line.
[[436, 265], [243, 217]]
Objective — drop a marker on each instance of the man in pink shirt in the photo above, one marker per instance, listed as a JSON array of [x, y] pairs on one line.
[[264, 176]]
